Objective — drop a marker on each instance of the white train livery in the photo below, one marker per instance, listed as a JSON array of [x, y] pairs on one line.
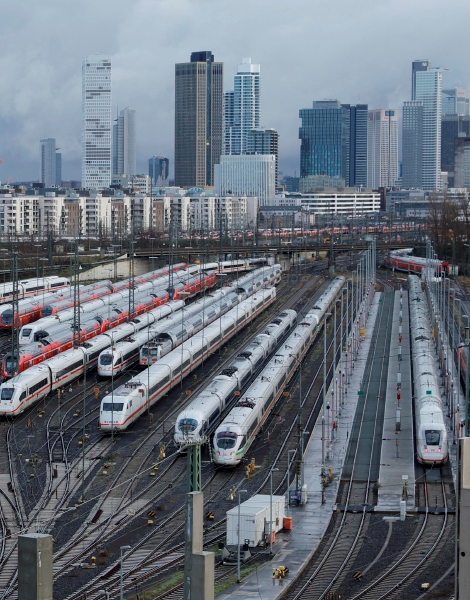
[[234, 436]]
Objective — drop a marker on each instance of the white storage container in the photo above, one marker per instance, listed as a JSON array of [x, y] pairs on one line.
[[254, 519]]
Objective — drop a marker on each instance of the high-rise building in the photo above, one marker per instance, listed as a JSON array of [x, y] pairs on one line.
[[462, 162], [334, 141], [58, 168], [355, 170], [412, 151], [96, 122], [51, 163], [452, 127], [382, 148], [264, 141], [456, 101], [242, 108], [159, 168], [428, 90], [251, 175], [198, 119], [416, 67], [124, 153]]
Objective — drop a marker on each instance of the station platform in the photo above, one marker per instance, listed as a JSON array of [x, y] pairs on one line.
[[397, 464], [310, 521]]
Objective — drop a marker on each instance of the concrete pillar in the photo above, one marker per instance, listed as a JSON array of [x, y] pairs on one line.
[[198, 565], [35, 566], [462, 537]]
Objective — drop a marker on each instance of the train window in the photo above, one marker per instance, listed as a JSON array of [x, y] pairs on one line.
[[432, 437], [130, 355], [252, 428], [197, 354], [53, 285], [186, 363], [229, 328], [215, 340], [226, 440], [23, 396], [119, 361], [26, 333], [7, 393], [93, 355], [187, 425], [177, 370], [68, 369], [113, 406], [214, 415], [106, 359], [37, 386]]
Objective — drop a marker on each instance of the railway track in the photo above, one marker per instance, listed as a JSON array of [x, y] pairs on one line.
[[129, 560], [129, 567], [63, 487], [322, 574]]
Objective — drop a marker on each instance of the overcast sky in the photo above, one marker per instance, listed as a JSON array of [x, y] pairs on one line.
[[308, 50]]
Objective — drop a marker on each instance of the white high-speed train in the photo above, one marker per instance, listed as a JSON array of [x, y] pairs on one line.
[[430, 431], [29, 287], [31, 385], [168, 333], [244, 287], [122, 407], [150, 345], [201, 416], [234, 436]]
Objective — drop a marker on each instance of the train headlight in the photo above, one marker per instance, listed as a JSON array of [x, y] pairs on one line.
[[232, 453], [218, 453]]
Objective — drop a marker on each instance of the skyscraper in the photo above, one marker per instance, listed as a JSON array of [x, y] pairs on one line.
[[198, 119], [159, 169], [382, 152], [51, 165], [334, 141], [264, 141], [456, 101], [242, 108], [428, 90], [124, 156], [412, 151], [58, 168], [96, 122], [416, 67]]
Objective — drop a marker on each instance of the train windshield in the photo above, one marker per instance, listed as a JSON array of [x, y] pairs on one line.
[[10, 363], [110, 407], [106, 359], [187, 425], [26, 333], [432, 437], [7, 393], [226, 440]]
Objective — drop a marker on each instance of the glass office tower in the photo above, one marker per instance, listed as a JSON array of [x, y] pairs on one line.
[[96, 122], [334, 141], [198, 119]]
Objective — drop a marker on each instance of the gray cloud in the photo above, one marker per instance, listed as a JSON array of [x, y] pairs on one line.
[[308, 49]]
